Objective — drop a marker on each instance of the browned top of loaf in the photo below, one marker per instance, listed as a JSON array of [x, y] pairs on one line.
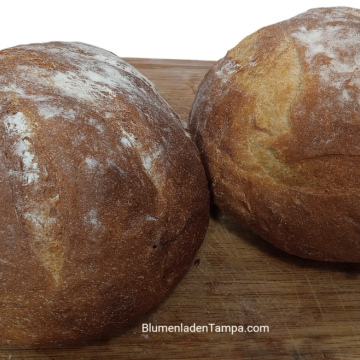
[[283, 116], [104, 200]]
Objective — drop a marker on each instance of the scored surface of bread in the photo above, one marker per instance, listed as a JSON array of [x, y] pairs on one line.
[[104, 200], [278, 123]]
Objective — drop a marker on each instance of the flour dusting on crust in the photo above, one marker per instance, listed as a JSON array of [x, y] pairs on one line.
[[336, 41], [19, 130]]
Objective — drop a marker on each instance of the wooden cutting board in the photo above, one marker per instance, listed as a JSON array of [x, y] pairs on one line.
[[310, 308]]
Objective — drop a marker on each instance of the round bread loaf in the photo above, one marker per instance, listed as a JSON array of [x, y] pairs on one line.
[[104, 199], [277, 121]]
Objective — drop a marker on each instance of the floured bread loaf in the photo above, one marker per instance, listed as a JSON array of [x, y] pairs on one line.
[[278, 124], [104, 200]]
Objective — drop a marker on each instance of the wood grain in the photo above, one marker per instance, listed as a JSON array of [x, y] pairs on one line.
[[311, 308]]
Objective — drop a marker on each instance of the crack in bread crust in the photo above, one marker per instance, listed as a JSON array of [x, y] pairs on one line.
[[35, 205], [265, 121]]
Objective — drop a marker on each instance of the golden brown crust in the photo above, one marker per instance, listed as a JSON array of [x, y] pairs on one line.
[[104, 199], [278, 124]]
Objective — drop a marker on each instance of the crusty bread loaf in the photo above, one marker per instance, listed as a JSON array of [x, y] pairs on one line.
[[104, 200], [278, 124]]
